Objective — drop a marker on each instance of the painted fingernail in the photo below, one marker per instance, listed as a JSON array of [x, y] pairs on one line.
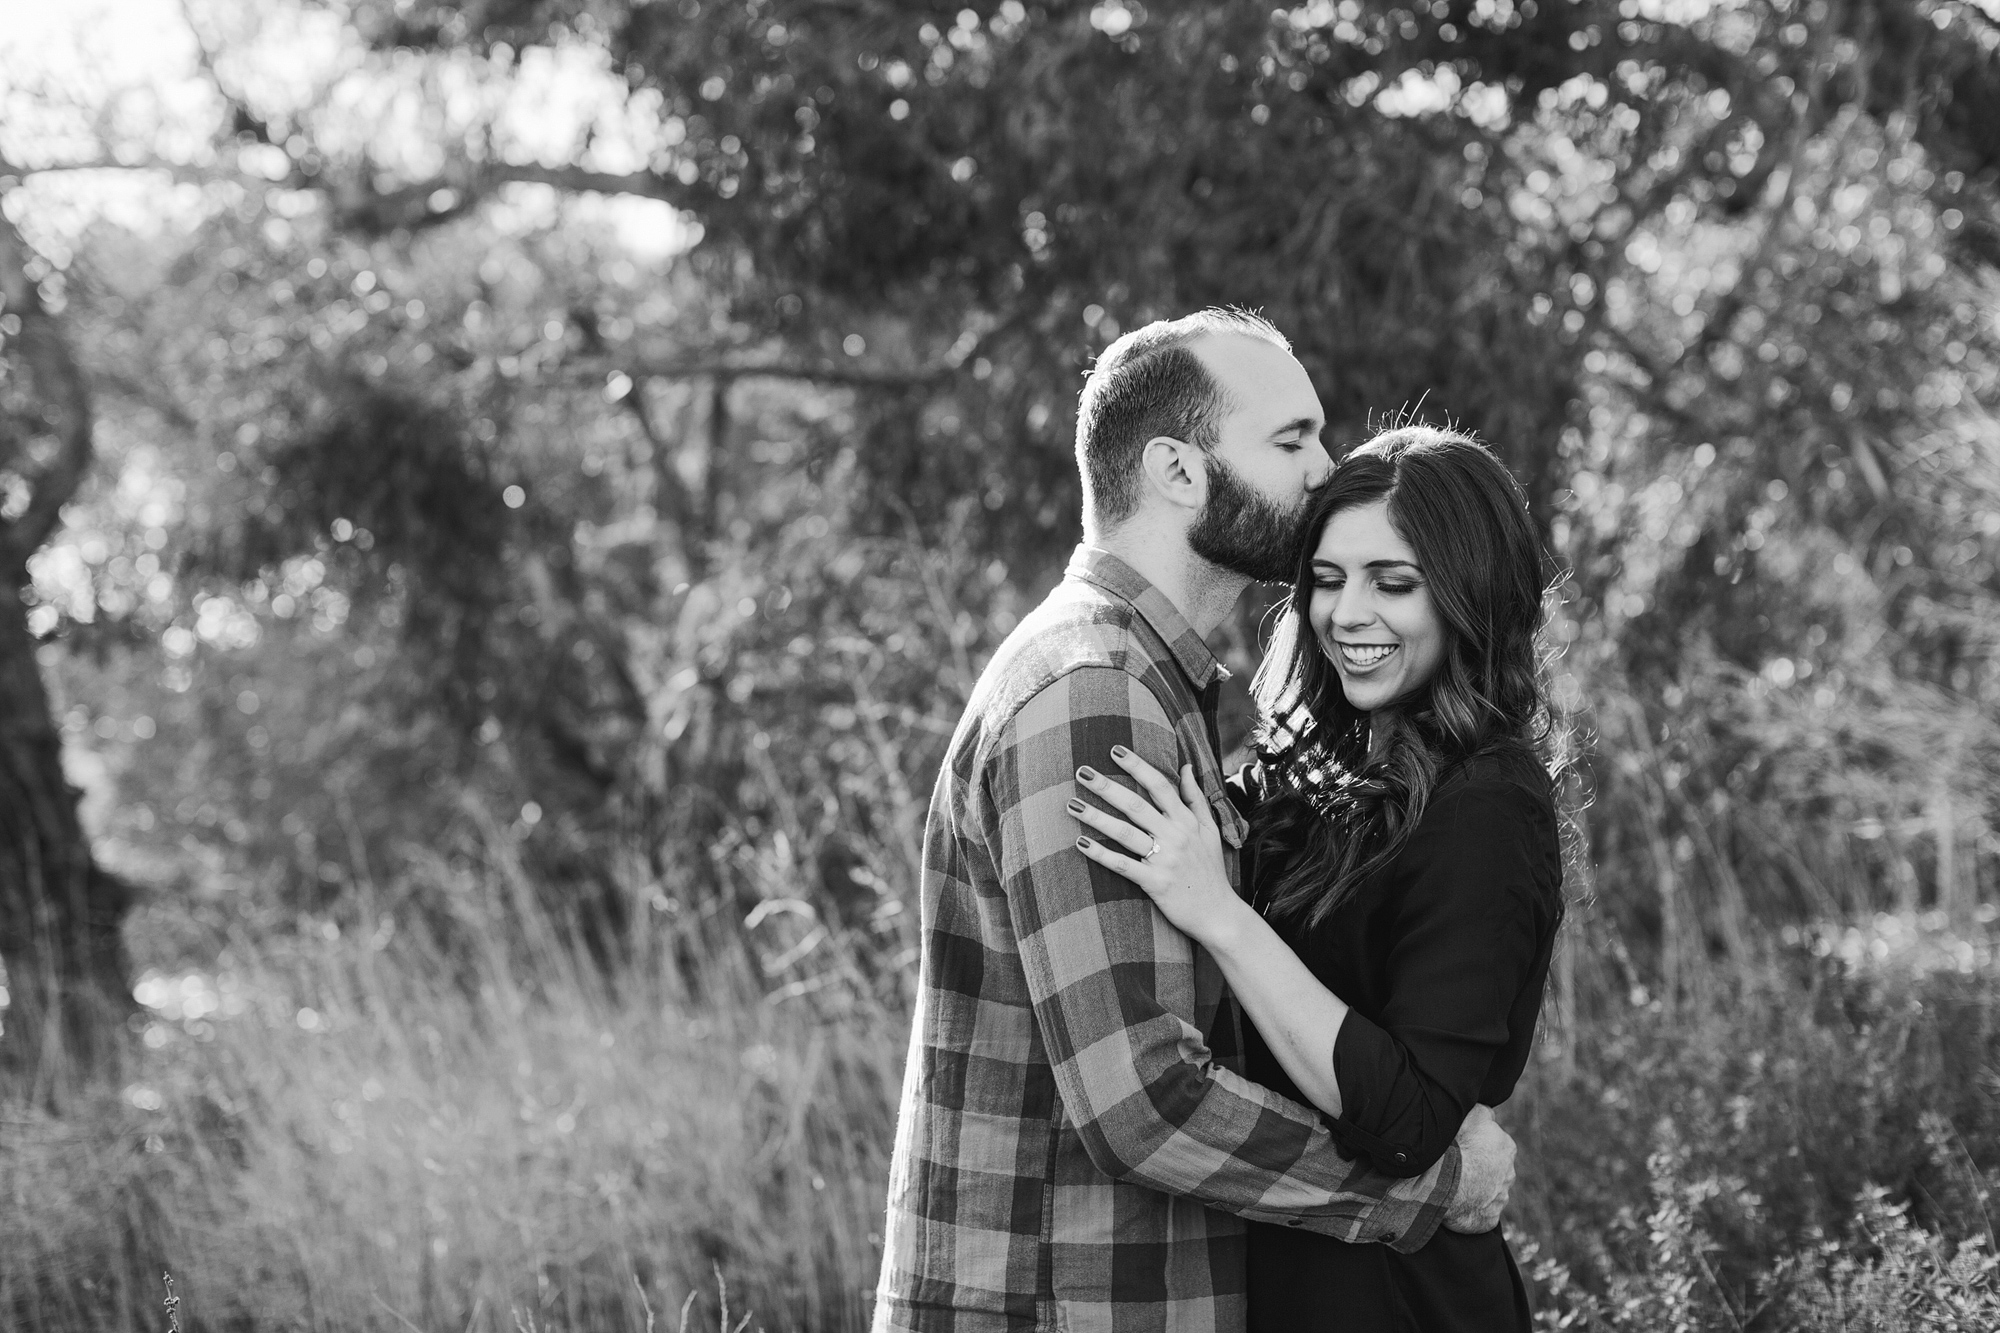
[[1119, 752], [1076, 807], [1087, 773], [1085, 844]]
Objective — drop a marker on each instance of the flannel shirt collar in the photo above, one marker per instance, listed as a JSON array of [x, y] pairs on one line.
[[1114, 576]]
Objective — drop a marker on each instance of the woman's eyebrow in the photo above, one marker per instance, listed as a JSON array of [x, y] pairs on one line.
[[1410, 565]]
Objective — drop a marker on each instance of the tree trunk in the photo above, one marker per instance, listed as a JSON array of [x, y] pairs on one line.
[[67, 988], [59, 912]]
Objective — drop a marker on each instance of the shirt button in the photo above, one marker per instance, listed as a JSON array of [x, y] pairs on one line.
[[1392, 1238], [1402, 1157], [1295, 1221]]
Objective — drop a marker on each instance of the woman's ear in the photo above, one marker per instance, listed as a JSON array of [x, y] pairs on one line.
[[1174, 470]]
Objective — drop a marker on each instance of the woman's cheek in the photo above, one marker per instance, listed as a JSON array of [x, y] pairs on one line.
[[1318, 611]]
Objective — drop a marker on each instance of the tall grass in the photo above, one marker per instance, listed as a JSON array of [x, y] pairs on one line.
[[361, 1131], [342, 1134]]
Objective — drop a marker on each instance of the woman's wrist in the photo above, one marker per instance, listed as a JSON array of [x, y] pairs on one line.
[[1235, 930]]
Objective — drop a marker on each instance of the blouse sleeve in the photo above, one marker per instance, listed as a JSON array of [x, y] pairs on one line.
[[1472, 888]]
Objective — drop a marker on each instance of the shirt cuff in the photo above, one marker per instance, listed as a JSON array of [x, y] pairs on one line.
[[1367, 1065], [1430, 1214]]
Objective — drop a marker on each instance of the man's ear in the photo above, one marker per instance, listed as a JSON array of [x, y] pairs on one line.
[[1175, 470]]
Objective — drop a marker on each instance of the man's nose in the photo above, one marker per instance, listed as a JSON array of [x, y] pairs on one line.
[[1322, 466]]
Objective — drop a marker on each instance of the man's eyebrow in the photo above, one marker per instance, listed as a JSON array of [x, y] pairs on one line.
[[1307, 425]]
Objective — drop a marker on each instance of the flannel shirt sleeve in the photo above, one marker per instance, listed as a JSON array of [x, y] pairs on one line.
[[1112, 987]]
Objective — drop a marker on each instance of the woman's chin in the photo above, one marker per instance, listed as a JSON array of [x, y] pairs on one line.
[[1366, 696]]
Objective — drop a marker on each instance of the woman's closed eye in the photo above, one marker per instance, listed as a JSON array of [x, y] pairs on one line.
[[1393, 587]]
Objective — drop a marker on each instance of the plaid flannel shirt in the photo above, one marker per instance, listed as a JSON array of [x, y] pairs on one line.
[[1070, 1152]]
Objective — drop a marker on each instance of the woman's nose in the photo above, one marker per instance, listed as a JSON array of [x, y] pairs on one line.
[[1353, 608]]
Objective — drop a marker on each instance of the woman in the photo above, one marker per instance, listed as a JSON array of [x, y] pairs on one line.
[[1404, 868]]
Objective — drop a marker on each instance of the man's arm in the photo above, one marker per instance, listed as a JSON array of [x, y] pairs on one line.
[[1487, 1176], [1112, 985]]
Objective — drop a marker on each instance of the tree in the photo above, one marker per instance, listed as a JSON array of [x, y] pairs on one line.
[[59, 911]]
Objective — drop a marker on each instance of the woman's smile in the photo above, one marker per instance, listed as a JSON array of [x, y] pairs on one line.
[[1361, 658]]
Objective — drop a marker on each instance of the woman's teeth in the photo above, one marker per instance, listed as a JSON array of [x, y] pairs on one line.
[[1362, 656]]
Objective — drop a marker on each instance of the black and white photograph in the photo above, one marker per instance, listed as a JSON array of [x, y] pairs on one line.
[[1054, 666]]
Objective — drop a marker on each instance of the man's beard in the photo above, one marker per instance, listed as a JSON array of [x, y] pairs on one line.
[[1245, 533]]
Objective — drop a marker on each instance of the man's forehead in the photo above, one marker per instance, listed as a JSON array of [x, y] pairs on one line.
[[1227, 350], [1261, 378]]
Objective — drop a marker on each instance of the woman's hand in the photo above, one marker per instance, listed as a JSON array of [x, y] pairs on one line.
[[1185, 874]]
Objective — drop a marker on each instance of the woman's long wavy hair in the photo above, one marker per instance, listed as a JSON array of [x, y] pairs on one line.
[[1338, 802]]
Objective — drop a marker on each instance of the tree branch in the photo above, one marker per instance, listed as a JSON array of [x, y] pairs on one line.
[[242, 119], [358, 204], [119, 383], [1715, 327], [416, 206], [647, 184], [58, 385], [185, 172], [816, 372], [956, 357]]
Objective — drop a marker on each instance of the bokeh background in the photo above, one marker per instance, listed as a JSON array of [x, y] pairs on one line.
[[502, 503]]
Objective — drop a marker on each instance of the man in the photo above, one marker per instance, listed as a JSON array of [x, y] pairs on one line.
[[1070, 1153]]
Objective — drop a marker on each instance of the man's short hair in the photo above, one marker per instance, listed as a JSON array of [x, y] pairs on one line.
[[1147, 384]]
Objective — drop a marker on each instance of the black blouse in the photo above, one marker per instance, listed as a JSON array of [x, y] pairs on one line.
[[1442, 957]]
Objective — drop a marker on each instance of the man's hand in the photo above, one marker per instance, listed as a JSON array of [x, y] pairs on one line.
[[1486, 1176]]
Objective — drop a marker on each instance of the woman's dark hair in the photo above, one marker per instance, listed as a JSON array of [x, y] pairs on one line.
[[1345, 805]]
